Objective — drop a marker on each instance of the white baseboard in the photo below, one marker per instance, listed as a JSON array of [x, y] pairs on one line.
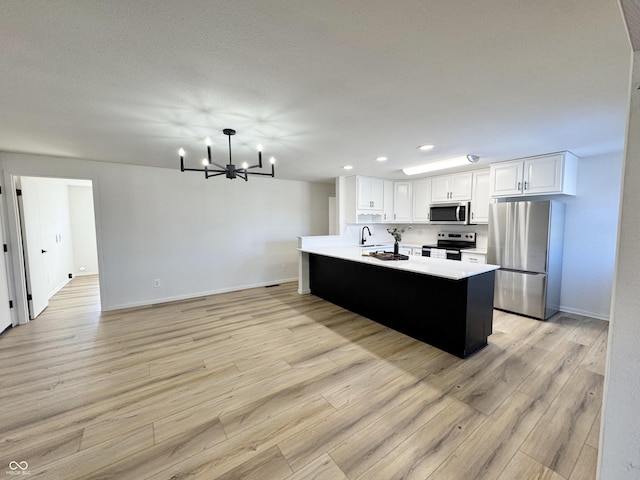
[[58, 287], [85, 274], [577, 311], [187, 296]]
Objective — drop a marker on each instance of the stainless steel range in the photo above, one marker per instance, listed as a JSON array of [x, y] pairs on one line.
[[450, 245]]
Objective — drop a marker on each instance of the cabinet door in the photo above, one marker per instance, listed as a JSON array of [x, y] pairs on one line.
[[440, 189], [473, 257], [387, 211], [480, 197], [421, 199], [364, 193], [506, 179], [402, 201], [377, 193], [460, 186], [543, 175], [370, 193]]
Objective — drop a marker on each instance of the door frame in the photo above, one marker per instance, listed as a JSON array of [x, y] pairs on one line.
[[12, 222]]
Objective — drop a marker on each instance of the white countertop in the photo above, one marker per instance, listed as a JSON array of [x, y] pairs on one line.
[[436, 267]]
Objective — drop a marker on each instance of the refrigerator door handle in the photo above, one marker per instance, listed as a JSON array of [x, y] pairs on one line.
[[525, 272]]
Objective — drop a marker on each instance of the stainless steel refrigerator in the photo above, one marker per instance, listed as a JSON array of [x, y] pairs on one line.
[[526, 240]]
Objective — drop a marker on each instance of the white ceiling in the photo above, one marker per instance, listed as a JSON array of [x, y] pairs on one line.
[[319, 83]]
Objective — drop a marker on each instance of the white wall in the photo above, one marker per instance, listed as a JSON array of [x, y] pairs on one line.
[[197, 236], [591, 229], [619, 452], [83, 231]]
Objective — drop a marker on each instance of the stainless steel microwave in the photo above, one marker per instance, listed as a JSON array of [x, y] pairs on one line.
[[450, 213]]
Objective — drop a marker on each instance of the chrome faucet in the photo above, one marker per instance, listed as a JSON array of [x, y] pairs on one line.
[[362, 239]]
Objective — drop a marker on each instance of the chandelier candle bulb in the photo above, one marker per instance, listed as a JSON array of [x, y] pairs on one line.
[[181, 153], [207, 141]]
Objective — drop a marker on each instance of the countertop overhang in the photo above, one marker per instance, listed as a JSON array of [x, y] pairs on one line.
[[451, 269]]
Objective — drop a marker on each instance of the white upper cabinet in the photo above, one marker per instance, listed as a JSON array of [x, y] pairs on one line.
[[543, 175], [421, 199], [480, 197], [506, 178], [455, 187], [363, 199], [387, 212], [402, 204], [370, 193], [546, 174]]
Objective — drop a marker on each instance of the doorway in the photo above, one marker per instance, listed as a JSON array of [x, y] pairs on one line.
[[57, 229]]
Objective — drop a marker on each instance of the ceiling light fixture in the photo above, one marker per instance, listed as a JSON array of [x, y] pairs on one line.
[[347, 167], [229, 170], [441, 164], [425, 147], [382, 159]]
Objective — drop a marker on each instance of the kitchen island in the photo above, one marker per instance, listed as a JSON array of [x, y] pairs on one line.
[[445, 303]]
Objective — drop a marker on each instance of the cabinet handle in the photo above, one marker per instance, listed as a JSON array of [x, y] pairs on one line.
[[526, 185], [472, 215], [519, 185]]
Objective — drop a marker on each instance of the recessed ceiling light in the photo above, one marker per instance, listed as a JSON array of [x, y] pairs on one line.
[[347, 167], [382, 159], [425, 147]]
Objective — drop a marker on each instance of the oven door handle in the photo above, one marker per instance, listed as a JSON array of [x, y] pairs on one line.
[[453, 251]]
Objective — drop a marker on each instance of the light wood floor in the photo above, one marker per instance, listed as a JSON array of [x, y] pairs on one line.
[[268, 384]]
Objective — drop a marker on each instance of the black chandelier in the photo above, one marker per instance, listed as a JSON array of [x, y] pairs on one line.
[[229, 170]]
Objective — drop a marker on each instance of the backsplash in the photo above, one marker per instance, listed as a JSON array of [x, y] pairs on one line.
[[420, 234]]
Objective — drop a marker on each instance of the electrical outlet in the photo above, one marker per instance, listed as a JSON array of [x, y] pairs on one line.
[[156, 282], [282, 267]]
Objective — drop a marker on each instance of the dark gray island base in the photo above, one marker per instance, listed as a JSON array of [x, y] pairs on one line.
[[453, 315]]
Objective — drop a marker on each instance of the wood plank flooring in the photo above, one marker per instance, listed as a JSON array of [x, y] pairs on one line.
[[269, 384]]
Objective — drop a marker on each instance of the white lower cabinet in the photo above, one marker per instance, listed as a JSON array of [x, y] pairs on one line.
[[474, 257]]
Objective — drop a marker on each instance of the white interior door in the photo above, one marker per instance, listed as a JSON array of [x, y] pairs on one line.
[[34, 248], [5, 312]]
